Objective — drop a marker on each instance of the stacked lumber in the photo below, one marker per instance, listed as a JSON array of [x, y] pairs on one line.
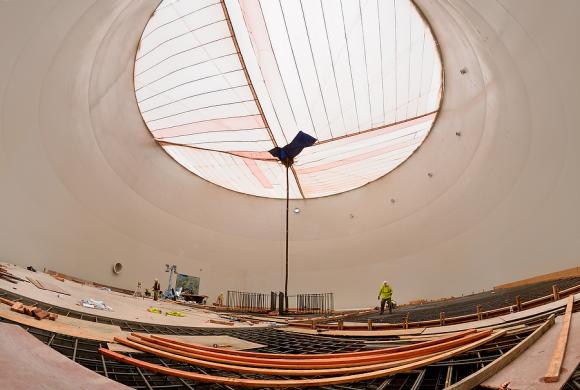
[[7, 276], [32, 311], [327, 369]]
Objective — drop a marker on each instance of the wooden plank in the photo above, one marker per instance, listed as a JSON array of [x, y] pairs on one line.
[[44, 285], [488, 371], [311, 382], [220, 322], [527, 371], [7, 274], [553, 373], [39, 314], [35, 282], [6, 278], [184, 343], [28, 363], [7, 301], [325, 362], [152, 349]]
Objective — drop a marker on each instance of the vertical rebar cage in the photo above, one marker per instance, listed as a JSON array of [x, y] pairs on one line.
[[317, 303]]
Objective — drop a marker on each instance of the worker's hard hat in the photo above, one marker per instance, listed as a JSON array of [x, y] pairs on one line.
[[384, 282]]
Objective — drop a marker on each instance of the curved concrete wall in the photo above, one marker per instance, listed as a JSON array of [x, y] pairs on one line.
[[84, 185]]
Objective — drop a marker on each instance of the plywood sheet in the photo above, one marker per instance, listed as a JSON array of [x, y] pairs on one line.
[[525, 372], [68, 326], [26, 363]]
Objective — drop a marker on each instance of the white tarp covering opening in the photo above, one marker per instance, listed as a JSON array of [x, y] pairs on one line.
[[219, 83]]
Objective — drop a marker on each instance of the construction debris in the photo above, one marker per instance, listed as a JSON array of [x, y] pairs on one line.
[[94, 304], [39, 314], [219, 322], [32, 311], [7, 276], [18, 307], [174, 313]]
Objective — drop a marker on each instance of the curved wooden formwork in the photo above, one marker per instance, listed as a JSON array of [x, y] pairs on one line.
[[394, 366]]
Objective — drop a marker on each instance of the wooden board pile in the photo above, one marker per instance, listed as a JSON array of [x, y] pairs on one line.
[[314, 370], [33, 311], [7, 276]]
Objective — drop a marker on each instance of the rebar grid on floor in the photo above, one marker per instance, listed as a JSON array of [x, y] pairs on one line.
[[434, 376], [466, 305], [85, 353]]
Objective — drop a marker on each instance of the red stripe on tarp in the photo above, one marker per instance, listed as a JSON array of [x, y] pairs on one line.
[[257, 172], [235, 123], [354, 159]]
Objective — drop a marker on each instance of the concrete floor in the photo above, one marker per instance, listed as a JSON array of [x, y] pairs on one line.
[[124, 307]]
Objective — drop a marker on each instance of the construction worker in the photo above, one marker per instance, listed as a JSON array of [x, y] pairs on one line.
[[156, 289], [385, 294]]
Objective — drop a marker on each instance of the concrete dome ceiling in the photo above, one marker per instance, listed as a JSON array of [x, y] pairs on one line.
[[490, 197], [221, 83]]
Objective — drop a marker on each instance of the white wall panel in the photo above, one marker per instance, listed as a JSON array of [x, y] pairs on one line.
[[84, 184]]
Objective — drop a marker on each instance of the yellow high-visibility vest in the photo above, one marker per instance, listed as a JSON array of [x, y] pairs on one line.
[[385, 292]]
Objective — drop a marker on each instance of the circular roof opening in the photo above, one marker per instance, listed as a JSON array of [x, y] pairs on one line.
[[220, 83]]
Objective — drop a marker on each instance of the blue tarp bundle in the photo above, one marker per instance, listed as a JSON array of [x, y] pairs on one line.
[[293, 149]]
